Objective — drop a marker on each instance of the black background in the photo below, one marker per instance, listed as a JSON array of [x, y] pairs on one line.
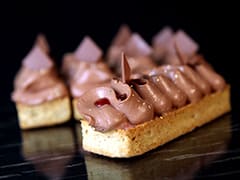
[[65, 23]]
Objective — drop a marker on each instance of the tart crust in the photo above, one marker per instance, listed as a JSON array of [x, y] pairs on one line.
[[48, 113]]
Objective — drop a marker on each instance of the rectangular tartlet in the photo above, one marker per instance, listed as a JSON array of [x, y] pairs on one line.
[[125, 143]]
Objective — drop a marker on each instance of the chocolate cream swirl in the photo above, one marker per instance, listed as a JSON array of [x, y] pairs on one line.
[[164, 89], [37, 80]]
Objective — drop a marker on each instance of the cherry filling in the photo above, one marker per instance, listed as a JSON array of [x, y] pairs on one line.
[[101, 102]]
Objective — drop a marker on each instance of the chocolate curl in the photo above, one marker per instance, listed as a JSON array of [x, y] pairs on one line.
[[181, 57], [126, 71], [41, 41]]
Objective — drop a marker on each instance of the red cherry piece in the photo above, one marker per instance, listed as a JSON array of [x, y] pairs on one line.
[[101, 102]]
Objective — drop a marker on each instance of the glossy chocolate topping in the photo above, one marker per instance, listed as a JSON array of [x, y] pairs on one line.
[[95, 105], [133, 106], [216, 81], [41, 90], [176, 95], [27, 76], [151, 93], [164, 88], [109, 107], [184, 83], [202, 84]]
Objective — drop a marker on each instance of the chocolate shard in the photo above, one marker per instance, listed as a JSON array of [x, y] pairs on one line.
[[122, 36], [42, 42], [37, 59], [88, 51], [162, 37], [185, 43], [126, 71], [137, 46]]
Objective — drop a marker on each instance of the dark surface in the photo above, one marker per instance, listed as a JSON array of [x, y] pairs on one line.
[[211, 152]]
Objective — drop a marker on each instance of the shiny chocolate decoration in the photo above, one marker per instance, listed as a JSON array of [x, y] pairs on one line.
[[216, 80], [104, 117], [162, 36], [145, 89], [136, 109], [37, 59], [176, 95], [114, 51], [151, 93], [137, 46], [202, 84], [126, 71], [122, 36], [88, 51]]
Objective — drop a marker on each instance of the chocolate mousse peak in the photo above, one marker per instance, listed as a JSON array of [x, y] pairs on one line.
[[42, 42], [137, 46], [122, 36], [37, 59], [163, 36], [88, 51], [126, 71]]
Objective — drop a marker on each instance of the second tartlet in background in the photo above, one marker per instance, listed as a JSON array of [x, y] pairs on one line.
[[41, 97], [85, 69]]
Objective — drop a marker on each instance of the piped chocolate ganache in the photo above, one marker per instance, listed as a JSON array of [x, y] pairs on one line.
[[37, 80], [155, 92]]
